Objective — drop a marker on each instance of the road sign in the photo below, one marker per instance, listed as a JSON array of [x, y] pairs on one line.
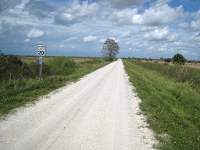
[[41, 50], [41, 53]]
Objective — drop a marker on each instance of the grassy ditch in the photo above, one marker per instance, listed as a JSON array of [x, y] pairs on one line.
[[172, 105], [178, 72], [19, 80]]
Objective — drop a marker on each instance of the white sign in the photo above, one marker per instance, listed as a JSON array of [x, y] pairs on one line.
[[41, 50]]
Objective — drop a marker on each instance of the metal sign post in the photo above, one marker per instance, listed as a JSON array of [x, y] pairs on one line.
[[41, 53]]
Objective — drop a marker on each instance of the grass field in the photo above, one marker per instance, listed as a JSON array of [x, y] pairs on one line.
[[187, 64], [29, 59], [22, 88], [171, 103]]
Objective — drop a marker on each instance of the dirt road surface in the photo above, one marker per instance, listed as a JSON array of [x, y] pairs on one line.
[[99, 112]]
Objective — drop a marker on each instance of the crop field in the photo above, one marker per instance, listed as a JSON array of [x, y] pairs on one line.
[[170, 100], [19, 77]]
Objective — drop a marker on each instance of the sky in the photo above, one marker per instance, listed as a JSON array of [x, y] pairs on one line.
[[142, 28]]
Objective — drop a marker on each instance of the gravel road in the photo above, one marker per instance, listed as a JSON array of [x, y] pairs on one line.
[[99, 112]]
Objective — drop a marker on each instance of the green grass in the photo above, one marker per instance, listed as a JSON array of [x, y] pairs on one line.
[[177, 72], [172, 106], [20, 91]]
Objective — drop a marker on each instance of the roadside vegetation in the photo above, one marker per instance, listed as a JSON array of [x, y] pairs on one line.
[[171, 101], [178, 73], [19, 77]]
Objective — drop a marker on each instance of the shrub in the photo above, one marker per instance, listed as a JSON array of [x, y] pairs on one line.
[[10, 66], [26, 71]]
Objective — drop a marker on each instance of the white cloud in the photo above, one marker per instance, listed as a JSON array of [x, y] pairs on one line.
[[137, 19], [35, 33], [27, 40], [158, 14], [89, 38], [102, 40], [158, 34], [124, 16], [76, 12], [161, 13], [195, 24]]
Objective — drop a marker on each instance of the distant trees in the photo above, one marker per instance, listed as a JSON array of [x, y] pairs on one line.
[[179, 59], [167, 60], [110, 49]]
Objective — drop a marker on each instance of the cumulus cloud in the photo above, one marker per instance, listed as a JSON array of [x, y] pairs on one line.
[[158, 14], [35, 33], [195, 24], [161, 13], [158, 34], [124, 16], [76, 12], [39, 9], [89, 38], [8, 4]]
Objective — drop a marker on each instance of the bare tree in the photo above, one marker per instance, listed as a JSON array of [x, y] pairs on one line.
[[110, 49]]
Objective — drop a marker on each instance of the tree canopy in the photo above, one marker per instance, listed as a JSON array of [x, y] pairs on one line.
[[179, 59], [110, 49]]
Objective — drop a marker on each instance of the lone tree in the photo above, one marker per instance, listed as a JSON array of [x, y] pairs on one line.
[[179, 59], [110, 49]]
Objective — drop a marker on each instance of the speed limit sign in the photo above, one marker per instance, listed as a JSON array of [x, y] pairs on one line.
[[41, 50]]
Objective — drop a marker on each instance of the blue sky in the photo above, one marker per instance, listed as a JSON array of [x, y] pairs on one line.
[[142, 28]]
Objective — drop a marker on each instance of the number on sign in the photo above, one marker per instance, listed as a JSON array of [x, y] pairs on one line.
[[41, 53]]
